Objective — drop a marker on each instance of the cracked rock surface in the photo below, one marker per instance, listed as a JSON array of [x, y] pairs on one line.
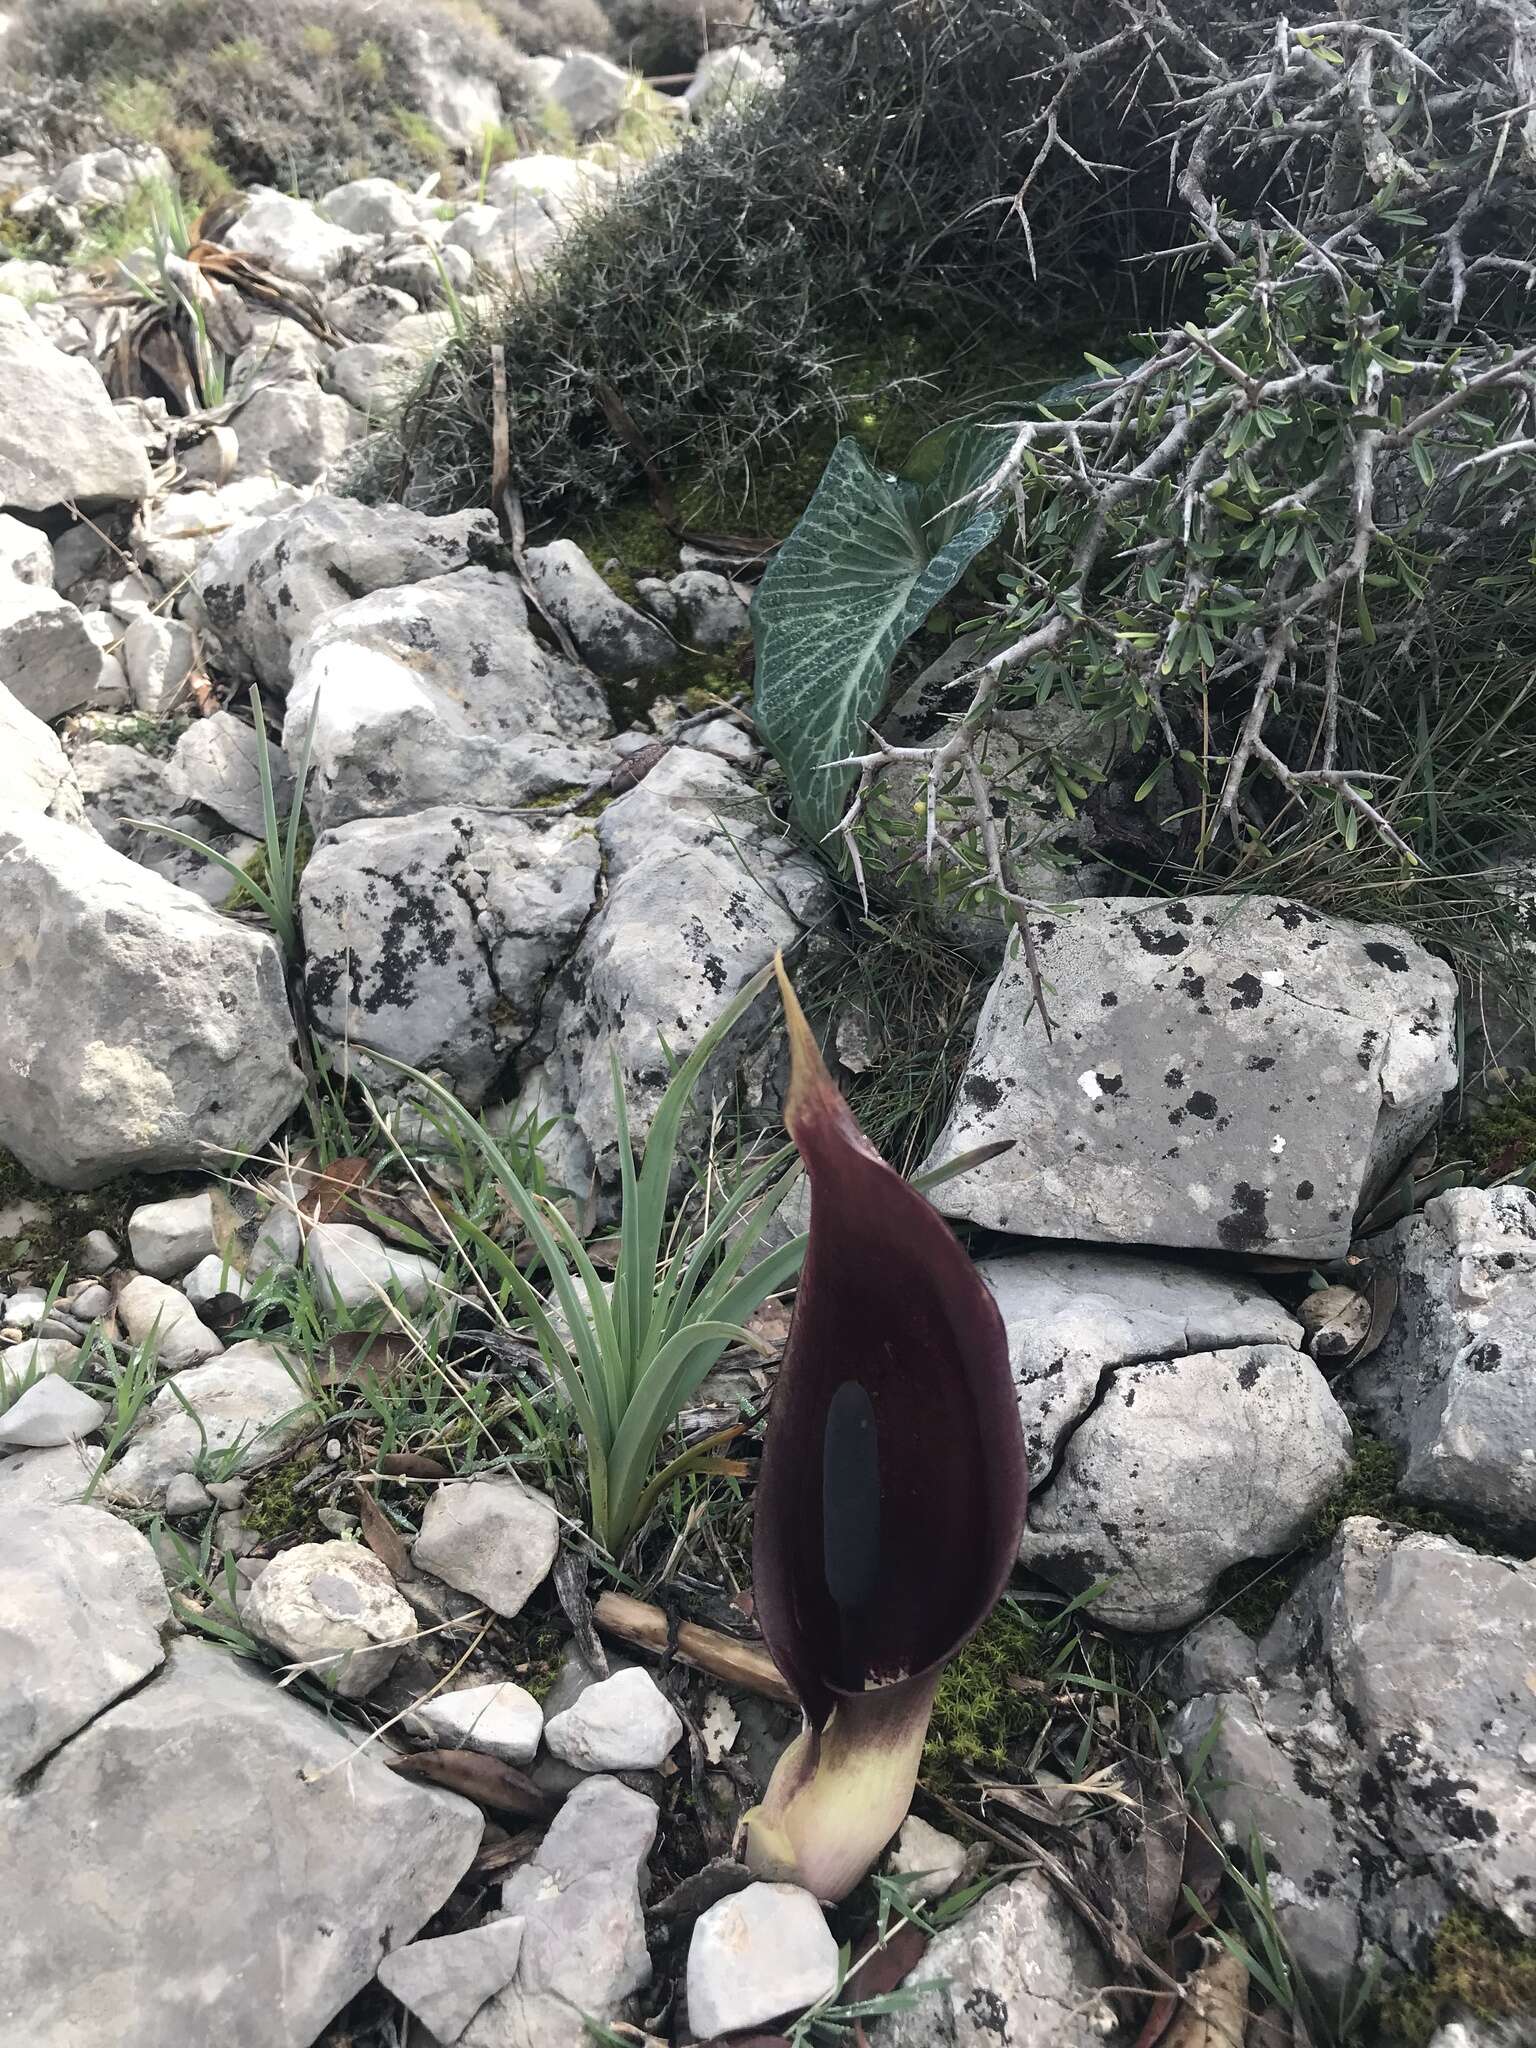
[[1227, 1072], [1382, 1750]]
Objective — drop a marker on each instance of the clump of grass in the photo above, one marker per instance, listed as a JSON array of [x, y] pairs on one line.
[[1477, 1966]]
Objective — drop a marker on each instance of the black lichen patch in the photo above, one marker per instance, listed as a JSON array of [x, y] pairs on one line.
[[1393, 958], [1247, 992], [985, 1093], [1304, 1191], [1159, 942], [1202, 1105], [1245, 1225]]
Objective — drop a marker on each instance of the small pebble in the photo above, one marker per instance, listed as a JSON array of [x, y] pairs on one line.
[[96, 1253], [229, 1493], [91, 1303], [754, 1956], [65, 1328], [623, 1723], [49, 1413], [186, 1495], [501, 1720], [338, 1521]]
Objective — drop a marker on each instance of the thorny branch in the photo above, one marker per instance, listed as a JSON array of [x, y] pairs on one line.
[[1347, 159]]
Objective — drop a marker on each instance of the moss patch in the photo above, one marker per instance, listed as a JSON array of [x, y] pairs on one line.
[[1502, 1137], [980, 1712], [273, 1506], [1477, 1966]]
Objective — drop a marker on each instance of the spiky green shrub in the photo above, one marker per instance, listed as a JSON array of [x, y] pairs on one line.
[[719, 296]]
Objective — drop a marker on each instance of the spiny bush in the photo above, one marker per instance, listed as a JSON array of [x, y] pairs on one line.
[[886, 181], [310, 97]]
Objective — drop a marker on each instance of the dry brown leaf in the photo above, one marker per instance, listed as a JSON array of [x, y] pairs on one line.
[[382, 1537], [1215, 2010], [333, 1191], [412, 1465], [484, 1779]]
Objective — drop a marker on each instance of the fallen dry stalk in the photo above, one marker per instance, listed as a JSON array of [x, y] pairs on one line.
[[734, 1663]]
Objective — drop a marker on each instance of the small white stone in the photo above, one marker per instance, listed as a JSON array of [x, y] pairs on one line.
[[25, 1309], [51, 1412], [185, 1494], [96, 1253], [493, 1538], [37, 1355], [358, 1269], [212, 1277], [332, 1605], [501, 1720], [167, 1239], [759, 1954], [148, 1308], [924, 1852], [623, 1723]]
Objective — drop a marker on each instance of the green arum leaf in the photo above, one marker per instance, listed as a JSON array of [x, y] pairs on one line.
[[868, 562]]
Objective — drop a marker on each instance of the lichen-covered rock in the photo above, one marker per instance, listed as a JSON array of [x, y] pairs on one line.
[[431, 937], [701, 889], [61, 442], [1453, 1383], [1018, 1967], [1184, 1467], [419, 688], [610, 635], [48, 660], [138, 1028], [294, 430], [1383, 1754], [262, 587], [333, 1608], [1228, 1072]]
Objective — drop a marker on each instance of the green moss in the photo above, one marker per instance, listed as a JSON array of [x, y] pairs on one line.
[[1501, 1137], [1477, 1965], [980, 1712], [273, 1506], [540, 1650]]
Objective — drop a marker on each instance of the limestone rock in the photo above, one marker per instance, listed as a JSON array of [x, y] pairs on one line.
[[924, 1853], [144, 1031], [52, 1411], [417, 688], [1018, 1967], [370, 206], [332, 1607], [372, 376], [264, 586], [81, 1622], [500, 1720], [168, 1238], [1184, 1467], [56, 1478], [761, 1953], [48, 661], [610, 635], [1072, 1315], [1383, 1751], [701, 889], [444, 1982], [583, 1951], [356, 1269], [1453, 1384], [60, 439], [493, 1538], [369, 311], [247, 1399], [25, 556], [295, 431], [1229, 1072], [432, 937], [621, 1723], [290, 237], [591, 91], [215, 765], [38, 774], [124, 1927], [152, 1312]]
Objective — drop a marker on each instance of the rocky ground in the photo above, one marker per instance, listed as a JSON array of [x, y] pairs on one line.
[[302, 1711]]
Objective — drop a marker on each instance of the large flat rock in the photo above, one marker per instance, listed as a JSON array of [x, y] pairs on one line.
[[1225, 1072]]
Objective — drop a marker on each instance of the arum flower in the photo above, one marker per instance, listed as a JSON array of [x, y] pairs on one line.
[[892, 1492]]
